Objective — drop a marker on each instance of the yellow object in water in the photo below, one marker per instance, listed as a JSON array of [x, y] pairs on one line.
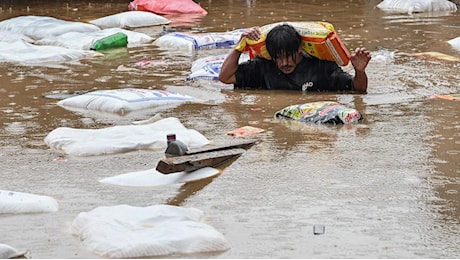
[[455, 97], [435, 55], [319, 40]]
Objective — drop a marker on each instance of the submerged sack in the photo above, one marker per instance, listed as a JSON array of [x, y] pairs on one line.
[[125, 100], [130, 19], [209, 70], [209, 67], [417, 6], [455, 43], [197, 41], [321, 112], [87, 40], [39, 27], [319, 40]]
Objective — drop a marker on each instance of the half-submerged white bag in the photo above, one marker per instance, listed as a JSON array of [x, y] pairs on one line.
[[130, 19], [125, 231], [187, 42], [417, 6], [39, 27], [122, 101], [13, 202], [122, 138]]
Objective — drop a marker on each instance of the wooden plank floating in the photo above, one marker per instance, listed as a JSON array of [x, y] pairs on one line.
[[246, 144], [204, 157], [197, 161]]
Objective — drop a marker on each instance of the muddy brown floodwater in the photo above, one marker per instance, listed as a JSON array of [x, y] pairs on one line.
[[384, 188]]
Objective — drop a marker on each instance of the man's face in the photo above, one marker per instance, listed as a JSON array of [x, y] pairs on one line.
[[287, 64]]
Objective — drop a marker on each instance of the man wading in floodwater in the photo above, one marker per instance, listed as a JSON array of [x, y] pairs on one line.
[[290, 68]]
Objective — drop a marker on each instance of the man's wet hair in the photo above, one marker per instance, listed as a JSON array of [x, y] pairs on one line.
[[283, 40]]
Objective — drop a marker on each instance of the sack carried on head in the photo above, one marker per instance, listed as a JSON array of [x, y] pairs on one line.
[[319, 39]]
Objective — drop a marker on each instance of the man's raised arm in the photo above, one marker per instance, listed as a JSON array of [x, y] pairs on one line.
[[230, 65]]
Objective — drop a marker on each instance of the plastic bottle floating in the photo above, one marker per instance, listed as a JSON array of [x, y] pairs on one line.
[[175, 147], [113, 41]]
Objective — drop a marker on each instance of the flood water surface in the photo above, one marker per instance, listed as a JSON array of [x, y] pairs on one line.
[[384, 188]]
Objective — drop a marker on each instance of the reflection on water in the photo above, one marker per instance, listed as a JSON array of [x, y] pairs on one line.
[[385, 188], [445, 139]]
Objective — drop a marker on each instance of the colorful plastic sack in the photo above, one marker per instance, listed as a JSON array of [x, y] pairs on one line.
[[321, 112], [167, 6], [319, 40]]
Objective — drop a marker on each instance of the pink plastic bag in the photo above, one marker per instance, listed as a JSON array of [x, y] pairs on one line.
[[166, 6]]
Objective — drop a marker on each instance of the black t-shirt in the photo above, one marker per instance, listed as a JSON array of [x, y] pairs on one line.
[[311, 74]]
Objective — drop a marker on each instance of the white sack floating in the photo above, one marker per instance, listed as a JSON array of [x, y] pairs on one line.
[[84, 41], [152, 177], [125, 231], [9, 36], [455, 43], [122, 138], [8, 252], [417, 6], [188, 42], [209, 67], [25, 53], [13, 202], [130, 20], [39, 27], [125, 100]]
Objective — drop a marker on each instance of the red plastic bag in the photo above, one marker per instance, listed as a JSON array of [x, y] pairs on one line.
[[245, 130], [166, 6]]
